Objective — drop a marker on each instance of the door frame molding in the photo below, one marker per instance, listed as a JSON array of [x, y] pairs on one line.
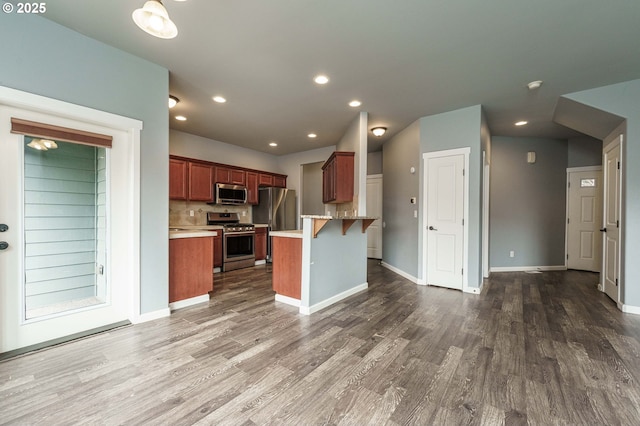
[[616, 141], [465, 209], [566, 213], [379, 177], [131, 127]]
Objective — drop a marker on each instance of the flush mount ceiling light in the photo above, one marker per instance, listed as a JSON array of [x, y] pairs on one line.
[[219, 99], [173, 101], [321, 79], [42, 144], [153, 19], [312, 135], [355, 104], [273, 144], [534, 85], [181, 118], [521, 123], [379, 131]]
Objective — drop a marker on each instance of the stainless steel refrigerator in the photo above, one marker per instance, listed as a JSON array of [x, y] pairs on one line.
[[276, 208]]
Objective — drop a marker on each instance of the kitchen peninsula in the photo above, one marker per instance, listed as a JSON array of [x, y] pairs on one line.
[[321, 264]]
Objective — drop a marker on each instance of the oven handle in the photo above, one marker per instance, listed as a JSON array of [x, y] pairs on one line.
[[230, 234]]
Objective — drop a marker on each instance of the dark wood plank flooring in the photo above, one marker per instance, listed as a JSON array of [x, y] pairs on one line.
[[531, 349]]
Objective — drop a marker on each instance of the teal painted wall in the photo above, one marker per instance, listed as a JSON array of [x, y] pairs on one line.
[[623, 99], [44, 58]]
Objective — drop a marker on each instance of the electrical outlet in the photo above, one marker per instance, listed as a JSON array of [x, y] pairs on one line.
[[512, 253]]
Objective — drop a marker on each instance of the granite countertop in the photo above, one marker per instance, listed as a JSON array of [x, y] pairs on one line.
[[190, 233], [294, 233], [315, 216], [261, 225], [195, 227]]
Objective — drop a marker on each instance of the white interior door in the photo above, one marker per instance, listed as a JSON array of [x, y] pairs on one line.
[[57, 274], [374, 208], [584, 219], [611, 228], [444, 221]]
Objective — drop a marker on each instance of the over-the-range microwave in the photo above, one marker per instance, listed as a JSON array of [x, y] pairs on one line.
[[230, 194]]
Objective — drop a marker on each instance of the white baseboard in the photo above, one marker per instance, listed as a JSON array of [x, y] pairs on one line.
[[628, 309], [527, 268], [308, 310], [288, 300], [188, 302], [150, 316], [401, 273], [260, 262], [473, 290], [217, 270]]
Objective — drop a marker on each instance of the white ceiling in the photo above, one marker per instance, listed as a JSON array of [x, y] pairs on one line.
[[404, 59]]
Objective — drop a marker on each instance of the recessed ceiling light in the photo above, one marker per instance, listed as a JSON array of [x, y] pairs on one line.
[[273, 144], [219, 99], [355, 103], [321, 79], [534, 85], [521, 123], [173, 101], [181, 118], [312, 135]]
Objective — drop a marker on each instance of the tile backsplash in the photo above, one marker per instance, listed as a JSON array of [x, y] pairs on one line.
[[180, 212]]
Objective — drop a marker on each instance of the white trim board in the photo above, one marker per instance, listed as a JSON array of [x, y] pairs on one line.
[[584, 169], [151, 316], [629, 309], [308, 310], [402, 273], [527, 268], [188, 302], [473, 290], [287, 300]]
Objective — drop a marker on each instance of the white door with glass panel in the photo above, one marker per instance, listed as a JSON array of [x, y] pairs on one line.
[[374, 209], [444, 220], [55, 262], [584, 219], [611, 229]]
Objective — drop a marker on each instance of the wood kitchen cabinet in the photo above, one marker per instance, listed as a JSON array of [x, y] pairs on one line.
[[337, 178], [217, 250], [178, 179], [230, 175], [265, 179], [261, 243], [287, 266], [280, 181], [252, 188], [190, 267], [200, 178]]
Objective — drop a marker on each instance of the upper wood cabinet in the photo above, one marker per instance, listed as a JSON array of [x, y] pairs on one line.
[[178, 179], [337, 178], [265, 179], [252, 188], [230, 175], [200, 182], [280, 181]]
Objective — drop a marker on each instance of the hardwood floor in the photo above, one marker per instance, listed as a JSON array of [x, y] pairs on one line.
[[532, 348]]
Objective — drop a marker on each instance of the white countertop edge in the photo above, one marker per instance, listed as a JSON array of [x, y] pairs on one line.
[[191, 234], [313, 216], [287, 234]]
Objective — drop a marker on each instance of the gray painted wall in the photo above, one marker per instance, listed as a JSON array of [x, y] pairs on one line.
[[622, 99], [583, 152], [400, 233], [44, 58], [374, 163], [355, 140], [459, 129], [311, 193], [528, 202]]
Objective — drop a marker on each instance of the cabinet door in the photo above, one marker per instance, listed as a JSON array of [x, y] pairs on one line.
[[261, 243], [217, 250], [200, 182], [238, 177], [190, 267], [280, 181], [223, 175], [252, 188], [265, 179], [177, 179]]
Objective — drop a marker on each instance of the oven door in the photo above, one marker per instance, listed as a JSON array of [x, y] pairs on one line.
[[239, 246]]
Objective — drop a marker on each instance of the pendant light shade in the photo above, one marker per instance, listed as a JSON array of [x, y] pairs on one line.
[[154, 19]]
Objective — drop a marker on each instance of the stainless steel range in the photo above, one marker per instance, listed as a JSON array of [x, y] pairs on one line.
[[238, 241]]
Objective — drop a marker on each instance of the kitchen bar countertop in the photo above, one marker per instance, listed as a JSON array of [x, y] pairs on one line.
[[193, 233], [316, 216], [294, 233]]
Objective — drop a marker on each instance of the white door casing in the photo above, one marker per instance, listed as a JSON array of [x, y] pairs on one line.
[[374, 209], [123, 266], [584, 218], [611, 219], [445, 213]]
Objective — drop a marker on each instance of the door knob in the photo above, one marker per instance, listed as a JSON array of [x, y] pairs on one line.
[[3, 227], [4, 245], [603, 230], [431, 228]]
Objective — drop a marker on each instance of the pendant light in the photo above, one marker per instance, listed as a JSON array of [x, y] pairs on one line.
[[154, 19]]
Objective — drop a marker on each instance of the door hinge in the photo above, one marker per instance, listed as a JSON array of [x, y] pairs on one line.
[[462, 222], [462, 271], [616, 282], [462, 172], [567, 220], [618, 165], [568, 184], [617, 224], [567, 256]]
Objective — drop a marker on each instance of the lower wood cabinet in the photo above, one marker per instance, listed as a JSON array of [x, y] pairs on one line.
[[190, 267], [287, 266], [217, 250], [261, 243]]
